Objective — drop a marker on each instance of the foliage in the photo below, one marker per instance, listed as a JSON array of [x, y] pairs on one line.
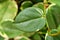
[[29, 20]]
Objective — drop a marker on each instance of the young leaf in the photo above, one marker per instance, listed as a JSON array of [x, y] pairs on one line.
[[8, 10]]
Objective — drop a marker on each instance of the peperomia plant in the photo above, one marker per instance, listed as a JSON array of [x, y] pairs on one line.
[[29, 20]]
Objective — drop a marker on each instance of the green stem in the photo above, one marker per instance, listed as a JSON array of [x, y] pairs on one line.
[[45, 5], [45, 2]]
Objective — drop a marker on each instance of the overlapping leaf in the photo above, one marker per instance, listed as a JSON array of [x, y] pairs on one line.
[[52, 37], [53, 16], [30, 20], [39, 5], [8, 10], [26, 4], [55, 1], [36, 36], [10, 29]]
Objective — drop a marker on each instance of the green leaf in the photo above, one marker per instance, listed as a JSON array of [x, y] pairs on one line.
[[31, 25], [36, 36], [53, 16], [39, 5], [52, 35], [30, 20], [10, 29], [27, 34], [24, 38], [26, 4], [1, 38], [55, 1], [48, 37], [29, 14], [58, 28], [8, 10], [36, 1], [53, 31], [1, 1]]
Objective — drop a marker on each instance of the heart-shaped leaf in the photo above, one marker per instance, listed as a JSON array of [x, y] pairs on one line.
[[30, 20]]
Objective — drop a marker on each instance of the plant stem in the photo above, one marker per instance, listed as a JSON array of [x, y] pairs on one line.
[[45, 2], [45, 6]]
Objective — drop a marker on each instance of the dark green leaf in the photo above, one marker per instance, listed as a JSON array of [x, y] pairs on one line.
[[26, 4], [1, 1]]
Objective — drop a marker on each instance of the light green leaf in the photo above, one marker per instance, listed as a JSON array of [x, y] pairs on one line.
[[58, 28], [55, 1], [10, 29], [27, 34], [24, 38], [30, 20], [8, 10]]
